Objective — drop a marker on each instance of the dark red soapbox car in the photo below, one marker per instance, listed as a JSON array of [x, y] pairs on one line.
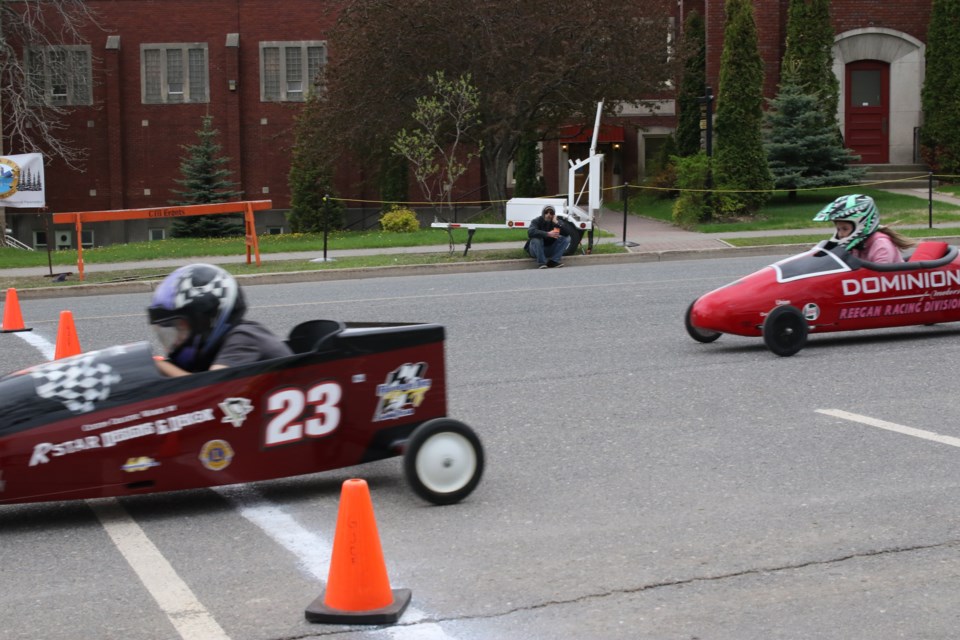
[[107, 423], [829, 289]]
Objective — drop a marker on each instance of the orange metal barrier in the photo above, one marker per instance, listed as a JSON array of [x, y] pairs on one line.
[[246, 207]]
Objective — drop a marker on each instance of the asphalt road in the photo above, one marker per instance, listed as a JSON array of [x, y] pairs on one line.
[[638, 484]]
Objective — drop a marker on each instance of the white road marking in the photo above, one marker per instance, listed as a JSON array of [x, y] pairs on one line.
[[892, 426], [311, 550], [190, 618], [39, 343]]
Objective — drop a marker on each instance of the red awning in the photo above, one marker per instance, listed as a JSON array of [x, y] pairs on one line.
[[572, 134]]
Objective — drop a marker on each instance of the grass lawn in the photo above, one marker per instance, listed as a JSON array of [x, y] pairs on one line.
[[199, 247], [782, 213]]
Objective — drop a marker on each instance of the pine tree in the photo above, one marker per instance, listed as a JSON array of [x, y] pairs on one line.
[[809, 53], [803, 150], [205, 180], [940, 135], [740, 162], [692, 84]]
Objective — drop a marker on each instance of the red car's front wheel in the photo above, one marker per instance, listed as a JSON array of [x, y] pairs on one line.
[[698, 334]]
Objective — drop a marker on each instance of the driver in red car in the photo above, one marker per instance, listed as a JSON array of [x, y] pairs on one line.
[[197, 312], [858, 229]]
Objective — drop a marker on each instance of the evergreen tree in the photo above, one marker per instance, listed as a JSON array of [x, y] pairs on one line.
[[940, 135], [809, 53], [692, 84], [529, 182], [205, 180], [740, 162], [310, 179], [803, 150]]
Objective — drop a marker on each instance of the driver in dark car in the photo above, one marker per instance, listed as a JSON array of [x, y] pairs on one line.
[[858, 229], [197, 313]]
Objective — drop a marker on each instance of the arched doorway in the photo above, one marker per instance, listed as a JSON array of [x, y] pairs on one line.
[[867, 103], [896, 60]]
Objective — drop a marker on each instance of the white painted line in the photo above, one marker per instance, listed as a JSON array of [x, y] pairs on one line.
[[311, 550], [891, 426], [39, 343], [190, 618]]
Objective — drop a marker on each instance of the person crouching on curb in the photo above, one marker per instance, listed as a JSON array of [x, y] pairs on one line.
[[547, 239]]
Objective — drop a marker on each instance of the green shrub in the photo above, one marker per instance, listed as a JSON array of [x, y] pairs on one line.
[[693, 205], [399, 220], [663, 171]]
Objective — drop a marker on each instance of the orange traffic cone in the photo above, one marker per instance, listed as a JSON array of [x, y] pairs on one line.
[[358, 590], [68, 344], [12, 319]]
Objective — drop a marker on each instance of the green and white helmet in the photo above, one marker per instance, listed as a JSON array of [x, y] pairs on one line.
[[858, 209]]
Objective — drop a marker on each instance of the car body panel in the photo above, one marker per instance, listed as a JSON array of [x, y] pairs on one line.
[[107, 423]]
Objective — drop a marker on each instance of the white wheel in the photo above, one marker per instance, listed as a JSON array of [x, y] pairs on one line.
[[443, 461]]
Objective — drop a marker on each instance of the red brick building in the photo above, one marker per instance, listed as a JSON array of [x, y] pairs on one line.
[[149, 72], [152, 68], [878, 56]]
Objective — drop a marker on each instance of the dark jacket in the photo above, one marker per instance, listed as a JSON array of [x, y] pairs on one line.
[[539, 228]]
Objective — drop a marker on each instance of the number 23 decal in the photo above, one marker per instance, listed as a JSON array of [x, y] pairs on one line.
[[299, 414]]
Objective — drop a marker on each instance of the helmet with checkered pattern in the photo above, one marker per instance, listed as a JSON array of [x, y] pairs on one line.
[[858, 209], [201, 300]]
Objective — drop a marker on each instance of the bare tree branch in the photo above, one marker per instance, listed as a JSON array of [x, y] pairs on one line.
[[29, 124]]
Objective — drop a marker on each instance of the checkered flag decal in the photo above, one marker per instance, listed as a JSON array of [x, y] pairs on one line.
[[222, 287], [78, 382]]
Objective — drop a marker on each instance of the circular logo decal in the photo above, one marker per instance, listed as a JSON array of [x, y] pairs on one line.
[[9, 177], [216, 455], [811, 311]]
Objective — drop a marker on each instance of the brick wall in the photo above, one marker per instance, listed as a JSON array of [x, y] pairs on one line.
[[134, 146], [771, 18]]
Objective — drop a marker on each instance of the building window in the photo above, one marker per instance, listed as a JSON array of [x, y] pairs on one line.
[[39, 239], [157, 234], [274, 231], [173, 73], [288, 70], [59, 76], [86, 238]]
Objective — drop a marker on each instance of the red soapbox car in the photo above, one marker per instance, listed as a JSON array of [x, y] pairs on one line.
[[107, 423], [829, 289]]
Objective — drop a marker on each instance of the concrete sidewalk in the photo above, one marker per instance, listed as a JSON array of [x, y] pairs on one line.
[[649, 237]]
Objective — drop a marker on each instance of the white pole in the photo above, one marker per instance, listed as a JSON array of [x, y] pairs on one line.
[[596, 129]]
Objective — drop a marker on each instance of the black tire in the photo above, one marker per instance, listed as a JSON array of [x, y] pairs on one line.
[[443, 461], [700, 335], [785, 330], [576, 235]]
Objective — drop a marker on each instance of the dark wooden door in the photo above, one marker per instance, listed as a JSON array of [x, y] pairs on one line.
[[868, 110]]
